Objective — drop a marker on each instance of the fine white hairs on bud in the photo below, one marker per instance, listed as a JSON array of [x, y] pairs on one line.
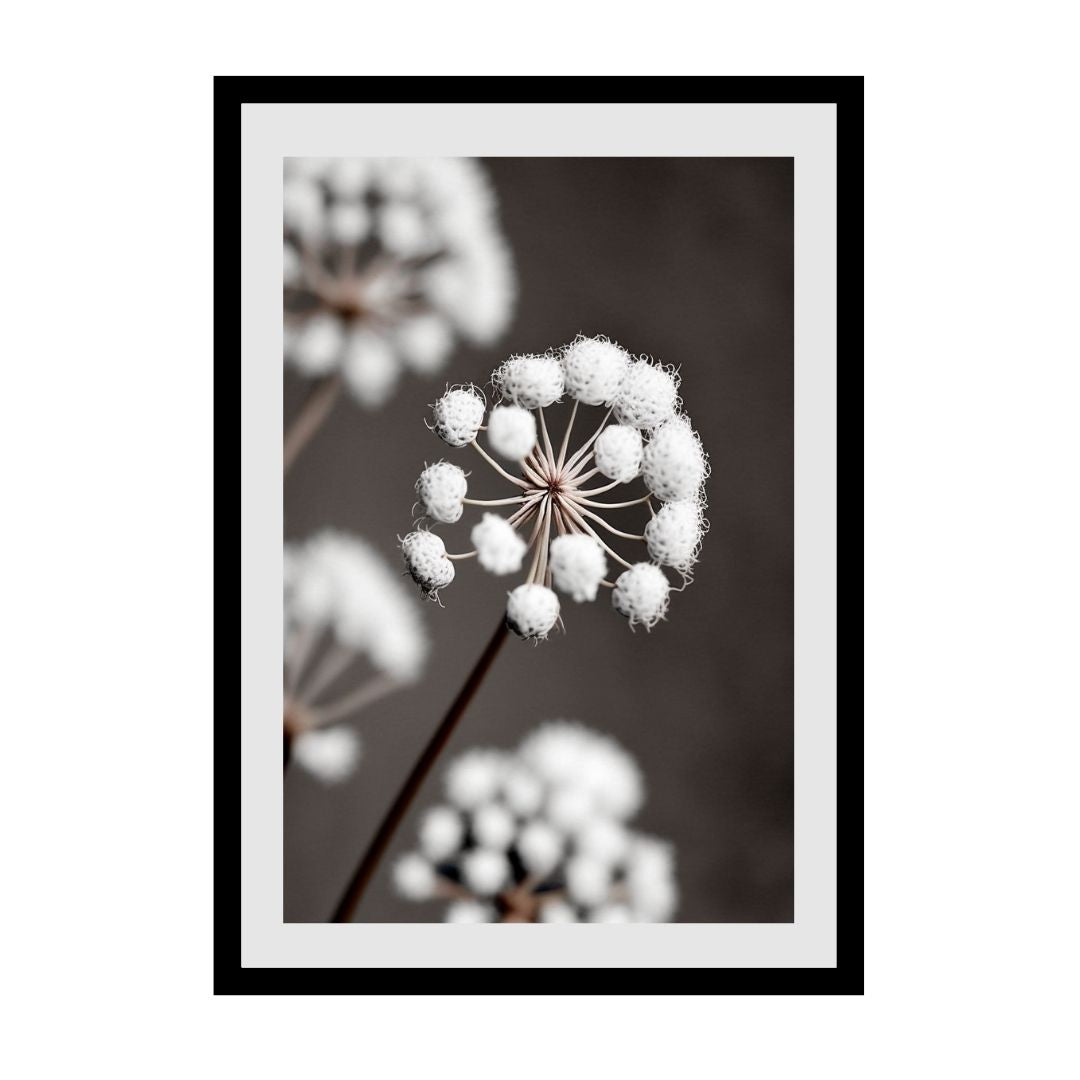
[[532, 611], [426, 561], [618, 453], [499, 549], [541, 834], [441, 489], [459, 415], [531, 381], [674, 534], [414, 877], [578, 565], [594, 369], [648, 396], [674, 464], [512, 431], [331, 756], [641, 594]]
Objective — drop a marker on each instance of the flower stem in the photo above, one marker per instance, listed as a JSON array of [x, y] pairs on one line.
[[346, 908], [312, 414]]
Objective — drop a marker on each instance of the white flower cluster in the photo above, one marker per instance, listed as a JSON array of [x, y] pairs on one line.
[[643, 435], [338, 586], [541, 835], [386, 262]]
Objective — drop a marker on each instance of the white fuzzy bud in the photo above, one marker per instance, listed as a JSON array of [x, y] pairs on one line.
[[370, 367], [649, 395], [540, 848], [302, 204], [348, 178], [641, 594], [331, 756], [473, 779], [414, 877], [441, 489], [316, 349], [441, 833], [618, 451], [674, 534], [493, 826], [604, 840], [402, 231], [424, 342], [577, 565], [531, 381], [499, 549], [594, 369], [292, 268], [532, 611], [348, 222], [523, 792], [611, 913], [469, 911], [485, 872], [426, 561], [674, 465], [511, 431], [588, 882], [569, 808], [459, 414], [557, 911]]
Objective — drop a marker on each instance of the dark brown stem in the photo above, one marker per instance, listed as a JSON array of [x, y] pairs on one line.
[[312, 414], [287, 740], [343, 913]]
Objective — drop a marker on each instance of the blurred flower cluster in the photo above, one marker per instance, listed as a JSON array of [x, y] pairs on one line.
[[542, 835], [387, 262]]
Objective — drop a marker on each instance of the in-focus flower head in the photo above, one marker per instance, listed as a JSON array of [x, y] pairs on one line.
[[407, 250], [554, 513], [499, 860], [343, 604]]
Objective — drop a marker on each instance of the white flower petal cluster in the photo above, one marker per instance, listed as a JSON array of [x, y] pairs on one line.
[[508, 859], [331, 755], [427, 562], [408, 250], [441, 489], [643, 438]]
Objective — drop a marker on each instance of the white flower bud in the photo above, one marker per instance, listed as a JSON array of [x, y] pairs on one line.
[[426, 561], [531, 381], [493, 826], [588, 882], [424, 342], [331, 755], [441, 833], [618, 452], [654, 900], [473, 779], [499, 549], [675, 464], [641, 594], [441, 489], [459, 413], [650, 879], [523, 792], [512, 431], [402, 231], [414, 877], [469, 911], [370, 367], [569, 807], [318, 344], [674, 535], [557, 911], [302, 203], [532, 611], [540, 848], [348, 178], [292, 269], [611, 913], [578, 565], [594, 369], [649, 395], [348, 222], [604, 840], [485, 872]]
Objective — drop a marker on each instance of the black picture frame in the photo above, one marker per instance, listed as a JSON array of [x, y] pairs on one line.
[[846, 92]]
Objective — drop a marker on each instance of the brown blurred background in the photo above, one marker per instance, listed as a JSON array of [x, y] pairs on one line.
[[689, 260]]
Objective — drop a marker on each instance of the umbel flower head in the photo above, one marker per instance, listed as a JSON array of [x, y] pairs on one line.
[[342, 603], [386, 263], [541, 835], [553, 512]]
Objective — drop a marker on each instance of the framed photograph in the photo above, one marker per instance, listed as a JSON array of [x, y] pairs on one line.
[[547, 483]]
